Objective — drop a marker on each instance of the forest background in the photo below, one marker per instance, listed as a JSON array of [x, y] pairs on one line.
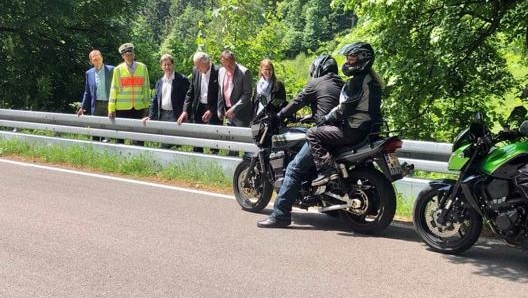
[[442, 60]]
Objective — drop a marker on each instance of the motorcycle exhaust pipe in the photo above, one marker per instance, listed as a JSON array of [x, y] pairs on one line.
[[333, 207]]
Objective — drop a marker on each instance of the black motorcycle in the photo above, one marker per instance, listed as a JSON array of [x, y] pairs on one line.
[[360, 192]]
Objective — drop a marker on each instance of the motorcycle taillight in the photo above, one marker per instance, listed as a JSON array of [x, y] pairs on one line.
[[392, 145]]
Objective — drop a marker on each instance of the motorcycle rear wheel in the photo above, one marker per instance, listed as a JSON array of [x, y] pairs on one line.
[[379, 201], [257, 194], [452, 238]]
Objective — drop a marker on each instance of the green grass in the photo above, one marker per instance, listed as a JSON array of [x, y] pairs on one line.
[[404, 207], [135, 166]]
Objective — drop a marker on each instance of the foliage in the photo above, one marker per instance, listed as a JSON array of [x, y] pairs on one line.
[[45, 45], [441, 58]]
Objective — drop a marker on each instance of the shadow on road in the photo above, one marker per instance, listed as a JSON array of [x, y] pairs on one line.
[[490, 257], [318, 221], [494, 258]]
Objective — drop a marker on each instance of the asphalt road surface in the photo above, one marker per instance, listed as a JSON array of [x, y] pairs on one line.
[[69, 234]]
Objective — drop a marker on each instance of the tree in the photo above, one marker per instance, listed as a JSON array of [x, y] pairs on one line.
[[442, 59], [46, 44]]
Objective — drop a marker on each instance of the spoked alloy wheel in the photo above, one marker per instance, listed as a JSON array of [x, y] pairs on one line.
[[256, 195], [376, 201], [459, 233]]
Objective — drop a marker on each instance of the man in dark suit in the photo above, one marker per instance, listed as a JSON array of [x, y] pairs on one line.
[[202, 97], [97, 86], [167, 103], [235, 90]]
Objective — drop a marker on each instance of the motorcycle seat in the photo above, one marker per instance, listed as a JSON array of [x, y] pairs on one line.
[[347, 148], [369, 140]]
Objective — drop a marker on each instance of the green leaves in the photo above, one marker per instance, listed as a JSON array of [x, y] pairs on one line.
[[442, 59]]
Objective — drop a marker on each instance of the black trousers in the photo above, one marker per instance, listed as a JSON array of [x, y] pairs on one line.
[[324, 139], [131, 114], [197, 118]]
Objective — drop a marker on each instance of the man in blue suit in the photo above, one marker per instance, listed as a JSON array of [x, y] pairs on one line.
[[97, 86], [171, 88]]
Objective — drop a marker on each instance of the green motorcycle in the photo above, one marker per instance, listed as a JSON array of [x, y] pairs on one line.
[[492, 185]]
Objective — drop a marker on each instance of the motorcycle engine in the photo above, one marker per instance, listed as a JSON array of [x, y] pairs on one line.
[[277, 164], [507, 205]]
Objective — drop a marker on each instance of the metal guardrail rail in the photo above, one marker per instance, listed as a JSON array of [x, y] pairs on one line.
[[427, 156]]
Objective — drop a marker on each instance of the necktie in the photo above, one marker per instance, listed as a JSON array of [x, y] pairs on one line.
[[228, 82]]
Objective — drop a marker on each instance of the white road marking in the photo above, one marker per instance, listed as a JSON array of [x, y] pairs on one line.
[[118, 179]]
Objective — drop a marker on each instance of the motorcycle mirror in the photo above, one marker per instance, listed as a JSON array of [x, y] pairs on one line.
[[479, 117], [517, 116], [523, 129], [519, 112], [477, 128]]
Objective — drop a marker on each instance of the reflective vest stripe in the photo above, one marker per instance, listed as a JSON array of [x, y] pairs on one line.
[[129, 91]]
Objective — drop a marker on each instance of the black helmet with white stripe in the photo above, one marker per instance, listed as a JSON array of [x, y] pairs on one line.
[[322, 65], [365, 57]]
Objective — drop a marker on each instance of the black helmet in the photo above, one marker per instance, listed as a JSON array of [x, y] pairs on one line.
[[322, 65], [365, 55]]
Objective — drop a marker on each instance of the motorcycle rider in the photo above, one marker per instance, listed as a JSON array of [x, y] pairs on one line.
[[321, 93], [357, 115]]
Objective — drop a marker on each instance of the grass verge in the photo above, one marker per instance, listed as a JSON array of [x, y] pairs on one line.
[[188, 174]]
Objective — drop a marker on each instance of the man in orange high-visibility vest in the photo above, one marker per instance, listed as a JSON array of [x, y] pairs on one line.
[[130, 90]]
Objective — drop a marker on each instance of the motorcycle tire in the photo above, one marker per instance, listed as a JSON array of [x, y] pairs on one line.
[[453, 238], [373, 187], [255, 196]]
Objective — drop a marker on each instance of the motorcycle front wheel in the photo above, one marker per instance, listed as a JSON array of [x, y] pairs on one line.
[[458, 234], [377, 201], [256, 194]]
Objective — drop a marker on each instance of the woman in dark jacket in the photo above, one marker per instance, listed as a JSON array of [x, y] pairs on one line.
[[268, 88]]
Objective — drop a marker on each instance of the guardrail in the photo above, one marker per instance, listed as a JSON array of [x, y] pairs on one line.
[[427, 156]]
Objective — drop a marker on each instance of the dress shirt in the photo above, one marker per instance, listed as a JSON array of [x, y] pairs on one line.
[[204, 86], [100, 84], [166, 90]]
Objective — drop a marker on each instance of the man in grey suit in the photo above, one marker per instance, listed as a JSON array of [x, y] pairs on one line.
[[234, 92]]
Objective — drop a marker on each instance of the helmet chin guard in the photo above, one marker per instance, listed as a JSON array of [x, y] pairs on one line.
[[365, 57]]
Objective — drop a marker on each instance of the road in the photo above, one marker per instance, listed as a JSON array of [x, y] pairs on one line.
[[71, 234]]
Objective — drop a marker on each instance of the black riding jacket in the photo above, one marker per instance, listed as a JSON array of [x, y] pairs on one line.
[[322, 94], [359, 103]]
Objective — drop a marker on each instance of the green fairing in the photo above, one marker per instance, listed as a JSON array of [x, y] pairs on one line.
[[502, 155], [457, 159]]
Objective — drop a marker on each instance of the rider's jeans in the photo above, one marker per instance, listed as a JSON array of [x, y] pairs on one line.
[[299, 169]]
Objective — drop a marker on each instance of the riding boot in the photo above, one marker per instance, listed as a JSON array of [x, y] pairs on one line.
[[325, 169]]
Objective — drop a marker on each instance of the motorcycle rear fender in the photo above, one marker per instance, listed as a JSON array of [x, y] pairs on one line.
[[385, 169]]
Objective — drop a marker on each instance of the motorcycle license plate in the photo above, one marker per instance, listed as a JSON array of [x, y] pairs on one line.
[[393, 163]]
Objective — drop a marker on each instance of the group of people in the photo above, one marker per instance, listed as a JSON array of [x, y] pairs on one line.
[[213, 95], [345, 112]]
